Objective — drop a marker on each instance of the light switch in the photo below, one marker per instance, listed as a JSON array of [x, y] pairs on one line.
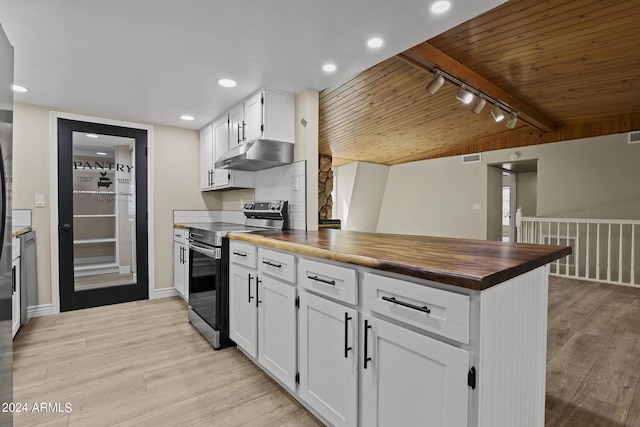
[[39, 200], [477, 206]]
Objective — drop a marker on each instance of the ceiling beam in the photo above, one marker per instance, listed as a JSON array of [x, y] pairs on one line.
[[426, 57]]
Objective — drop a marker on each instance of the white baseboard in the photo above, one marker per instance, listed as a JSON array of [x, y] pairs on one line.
[[39, 310], [165, 293]]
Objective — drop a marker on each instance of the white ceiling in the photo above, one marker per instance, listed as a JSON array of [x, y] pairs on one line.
[[153, 60]]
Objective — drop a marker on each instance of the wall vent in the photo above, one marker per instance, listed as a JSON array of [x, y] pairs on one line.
[[634, 137], [472, 158]]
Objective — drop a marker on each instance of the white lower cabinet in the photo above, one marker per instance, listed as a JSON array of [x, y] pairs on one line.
[[328, 351], [243, 310], [277, 341], [180, 263], [410, 379], [15, 296]]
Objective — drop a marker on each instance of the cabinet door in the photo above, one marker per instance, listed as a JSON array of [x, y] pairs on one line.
[[236, 126], [185, 277], [253, 117], [328, 359], [15, 297], [243, 320], [277, 329], [410, 379], [206, 158], [178, 267], [220, 146]]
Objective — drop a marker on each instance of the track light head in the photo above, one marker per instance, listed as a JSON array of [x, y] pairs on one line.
[[464, 95], [480, 103], [513, 119], [497, 113], [436, 83]]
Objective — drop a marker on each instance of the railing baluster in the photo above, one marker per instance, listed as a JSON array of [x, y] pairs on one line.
[[620, 257], [576, 256], [633, 254], [587, 255], [566, 262], [609, 254], [598, 252]]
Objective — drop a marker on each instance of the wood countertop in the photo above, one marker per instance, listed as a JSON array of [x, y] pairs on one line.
[[473, 264]]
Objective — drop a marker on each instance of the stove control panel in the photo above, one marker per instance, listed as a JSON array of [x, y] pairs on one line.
[[271, 208]]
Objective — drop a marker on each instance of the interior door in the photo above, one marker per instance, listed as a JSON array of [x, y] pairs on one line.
[[102, 214]]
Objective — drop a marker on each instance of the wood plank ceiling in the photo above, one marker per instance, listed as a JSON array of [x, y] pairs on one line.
[[575, 64]]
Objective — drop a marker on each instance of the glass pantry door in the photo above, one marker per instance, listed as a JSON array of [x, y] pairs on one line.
[[102, 237]]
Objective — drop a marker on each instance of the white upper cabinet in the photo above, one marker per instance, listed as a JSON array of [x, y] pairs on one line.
[[206, 158], [220, 131], [267, 114], [236, 126]]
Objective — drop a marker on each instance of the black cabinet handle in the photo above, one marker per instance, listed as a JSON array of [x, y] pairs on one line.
[[272, 264], [13, 278], [238, 133], [244, 138], [367, 359], [240, 254], [257, 293], [249, 288], [424, 308], [346, 335], [317, 279]]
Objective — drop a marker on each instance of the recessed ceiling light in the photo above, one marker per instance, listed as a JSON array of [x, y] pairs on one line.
[[18, 88], [329, 67], [375, 42], [440, 6], [187, 117], [100, 153], [226, 82], [91, 135]]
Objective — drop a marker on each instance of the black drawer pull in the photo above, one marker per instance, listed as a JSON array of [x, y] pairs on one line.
[[272, 264], [424, 308], [346, 335], [240, 254], [317, 279], [367, 359]]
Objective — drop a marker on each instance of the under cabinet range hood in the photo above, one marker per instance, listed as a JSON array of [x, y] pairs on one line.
[[257, 155]]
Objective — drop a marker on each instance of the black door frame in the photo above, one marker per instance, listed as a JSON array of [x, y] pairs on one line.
[[70, 299]]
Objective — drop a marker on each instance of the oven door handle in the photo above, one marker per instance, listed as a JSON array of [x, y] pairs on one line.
[[215, 253]]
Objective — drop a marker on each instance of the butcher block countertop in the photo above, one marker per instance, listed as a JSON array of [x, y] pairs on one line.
[[473, 264]]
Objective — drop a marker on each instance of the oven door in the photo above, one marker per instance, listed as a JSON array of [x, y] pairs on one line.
[[205, 271]]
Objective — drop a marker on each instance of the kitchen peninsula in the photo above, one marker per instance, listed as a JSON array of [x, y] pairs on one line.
[[381, 329]]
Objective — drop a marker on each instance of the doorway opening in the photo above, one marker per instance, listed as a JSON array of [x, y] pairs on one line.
[[102, 218], [511, 187]]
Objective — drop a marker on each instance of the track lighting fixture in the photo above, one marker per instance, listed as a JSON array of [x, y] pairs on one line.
[[436, 83], [464, 95], [480, 103], [467, 93], [497, 113]]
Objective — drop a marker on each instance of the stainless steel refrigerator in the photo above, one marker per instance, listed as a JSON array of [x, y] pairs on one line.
[[6, 287]]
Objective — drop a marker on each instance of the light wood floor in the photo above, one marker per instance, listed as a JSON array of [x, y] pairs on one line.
[[143, 364]]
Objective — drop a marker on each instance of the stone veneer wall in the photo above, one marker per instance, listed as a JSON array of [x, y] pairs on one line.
[[325, 186]]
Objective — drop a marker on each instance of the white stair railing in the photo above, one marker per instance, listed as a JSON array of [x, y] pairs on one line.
[[604, 250]]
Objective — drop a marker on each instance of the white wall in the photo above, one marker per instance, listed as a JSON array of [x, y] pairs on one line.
[[176, 186], [587, 178], [306, 148], [359, 193]]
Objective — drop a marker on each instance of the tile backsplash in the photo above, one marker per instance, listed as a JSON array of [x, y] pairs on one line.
[[286, 182]]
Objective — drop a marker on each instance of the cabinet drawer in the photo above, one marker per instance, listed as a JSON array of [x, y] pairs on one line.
[[334, 281], [243, 254], [179, 235], [277, 264], [442, 312]]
